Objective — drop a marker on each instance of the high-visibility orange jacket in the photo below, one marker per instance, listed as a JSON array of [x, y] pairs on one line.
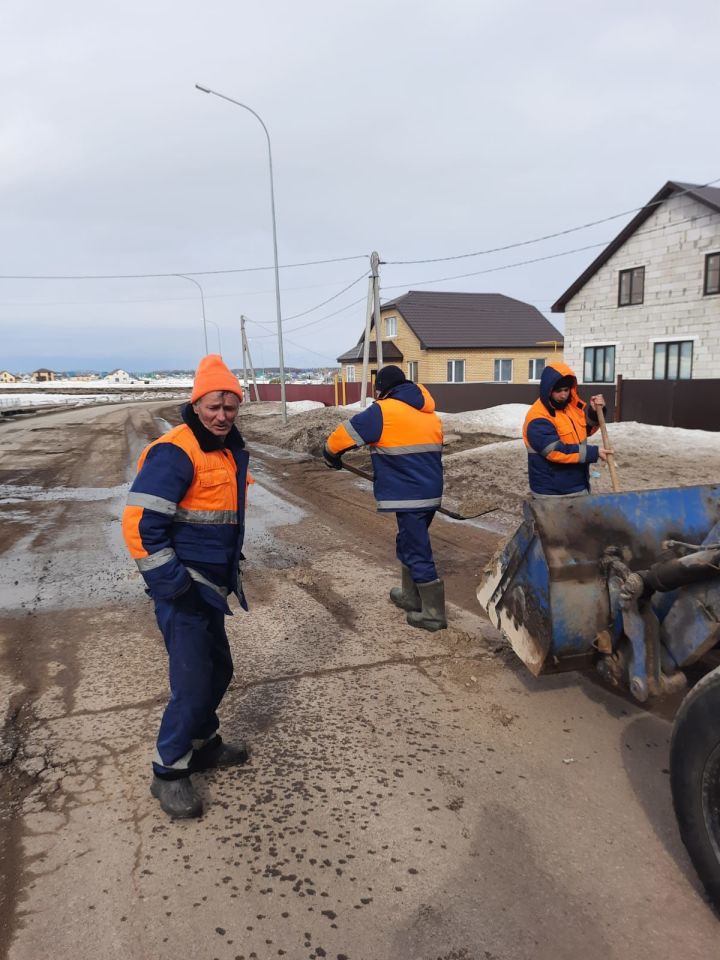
[[559, 457], [185, 514], [405, 437]]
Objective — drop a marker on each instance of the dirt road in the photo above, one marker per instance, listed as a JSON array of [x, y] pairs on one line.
[[411, 797]]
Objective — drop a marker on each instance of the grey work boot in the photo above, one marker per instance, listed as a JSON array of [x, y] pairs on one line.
[[406, 597], [217, 753], [177, 797], [432, 616]]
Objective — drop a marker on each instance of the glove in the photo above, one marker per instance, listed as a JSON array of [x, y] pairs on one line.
[[332, 460]]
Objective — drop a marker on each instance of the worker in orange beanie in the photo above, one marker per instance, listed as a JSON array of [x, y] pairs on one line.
[[184, 525]]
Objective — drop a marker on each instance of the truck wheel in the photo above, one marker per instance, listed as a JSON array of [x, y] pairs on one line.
[[695, 779]]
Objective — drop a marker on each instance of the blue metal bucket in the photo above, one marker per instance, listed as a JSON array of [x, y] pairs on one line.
[[546, 588]]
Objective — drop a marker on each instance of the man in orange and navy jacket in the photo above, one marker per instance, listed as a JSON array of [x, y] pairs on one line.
[[405, 438], [184, 525], [556, 430]]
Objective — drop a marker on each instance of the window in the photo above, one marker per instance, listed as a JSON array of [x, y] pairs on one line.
[[673, 360], [390, 326], [412, 370], [632, 287], [535, 369], [349, 374], [599, 365], [456, 371], [503, 371], [712, 273]]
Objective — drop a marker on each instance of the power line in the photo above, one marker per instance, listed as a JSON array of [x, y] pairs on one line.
[[506, 266], [548, 236], [312, 323], [175, 273], [304, 313], [300, 346], [552, 256]]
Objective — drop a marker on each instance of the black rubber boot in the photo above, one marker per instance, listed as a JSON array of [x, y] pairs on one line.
[[178, 798], [216, 753], [432, 616], [406, 597]]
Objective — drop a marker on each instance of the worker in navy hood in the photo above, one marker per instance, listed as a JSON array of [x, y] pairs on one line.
[[405, 437], [556, 431]]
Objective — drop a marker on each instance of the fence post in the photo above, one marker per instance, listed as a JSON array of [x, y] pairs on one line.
[[618, 398]]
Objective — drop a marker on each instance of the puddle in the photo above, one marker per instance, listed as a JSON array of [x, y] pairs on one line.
[[277, 453]]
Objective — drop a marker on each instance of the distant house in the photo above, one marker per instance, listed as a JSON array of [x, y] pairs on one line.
[[649, 306], [460, 337], [118, 376], [7, 377], [43, 375]]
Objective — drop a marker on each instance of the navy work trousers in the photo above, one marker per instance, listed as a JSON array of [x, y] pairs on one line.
[[201, 668], [412, 544]]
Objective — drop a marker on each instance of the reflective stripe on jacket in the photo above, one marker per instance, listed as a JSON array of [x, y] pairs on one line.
[[559, 457], [185, 514], [405, 436]]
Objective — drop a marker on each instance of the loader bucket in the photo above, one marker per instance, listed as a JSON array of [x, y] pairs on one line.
[[545, 588]]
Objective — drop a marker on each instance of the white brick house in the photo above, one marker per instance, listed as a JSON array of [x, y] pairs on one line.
[[649, 306]]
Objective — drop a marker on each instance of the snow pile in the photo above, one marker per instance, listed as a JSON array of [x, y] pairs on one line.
[[506, 420], [302, 406], [44, 399], [494, 476]]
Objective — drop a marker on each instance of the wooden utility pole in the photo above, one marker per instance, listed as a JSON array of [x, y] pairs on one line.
[[246, 350]]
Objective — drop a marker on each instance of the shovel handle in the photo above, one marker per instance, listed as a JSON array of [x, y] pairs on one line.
[[610, 457]]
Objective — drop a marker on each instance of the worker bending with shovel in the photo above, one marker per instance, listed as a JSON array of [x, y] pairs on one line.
[[405, 438], [556, 430]]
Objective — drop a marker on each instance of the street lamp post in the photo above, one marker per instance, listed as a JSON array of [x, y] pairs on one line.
[[281, 359], [202, 301], [217, 330]]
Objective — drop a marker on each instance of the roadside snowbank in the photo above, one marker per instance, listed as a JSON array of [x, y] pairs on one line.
[[494, 476], [506, 420], [44, 399]]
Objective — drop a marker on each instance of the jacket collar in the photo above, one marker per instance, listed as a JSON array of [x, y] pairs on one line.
[[207, 440]]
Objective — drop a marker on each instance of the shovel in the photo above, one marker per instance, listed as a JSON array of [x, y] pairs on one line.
[[610, 457], [443, 510]]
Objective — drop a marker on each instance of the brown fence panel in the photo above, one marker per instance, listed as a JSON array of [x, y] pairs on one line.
[[324, 392], [458, 397], [696, 404], [647, 401], [692, 404]]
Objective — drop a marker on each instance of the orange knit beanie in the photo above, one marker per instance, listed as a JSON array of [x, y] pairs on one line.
[[211, 375]]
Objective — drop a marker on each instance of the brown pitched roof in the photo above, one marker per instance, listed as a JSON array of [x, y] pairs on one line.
[[709, 196], [472, 320], [355, 354]]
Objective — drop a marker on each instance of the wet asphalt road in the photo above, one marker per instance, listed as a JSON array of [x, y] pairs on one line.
[[410, 796]]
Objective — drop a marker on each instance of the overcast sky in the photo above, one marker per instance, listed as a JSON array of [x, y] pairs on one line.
[[421, 130]]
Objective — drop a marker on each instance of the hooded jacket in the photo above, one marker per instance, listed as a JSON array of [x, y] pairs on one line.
[[185, 516], [405, 438], [558, 455]]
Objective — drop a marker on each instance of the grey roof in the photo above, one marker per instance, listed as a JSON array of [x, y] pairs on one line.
[[709, 196], [355, 354], [472, 320]]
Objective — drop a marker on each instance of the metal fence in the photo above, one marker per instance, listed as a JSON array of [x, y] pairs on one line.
[[694, 404]]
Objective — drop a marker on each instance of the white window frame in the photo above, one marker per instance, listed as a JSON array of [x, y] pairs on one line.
[[501, 361], [678, 341], [349, 373], [597, 346], [390, 327], [534, 361], [454, 378], [412, 370]]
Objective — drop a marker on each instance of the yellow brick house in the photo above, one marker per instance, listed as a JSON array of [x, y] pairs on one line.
[[439, 337]]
